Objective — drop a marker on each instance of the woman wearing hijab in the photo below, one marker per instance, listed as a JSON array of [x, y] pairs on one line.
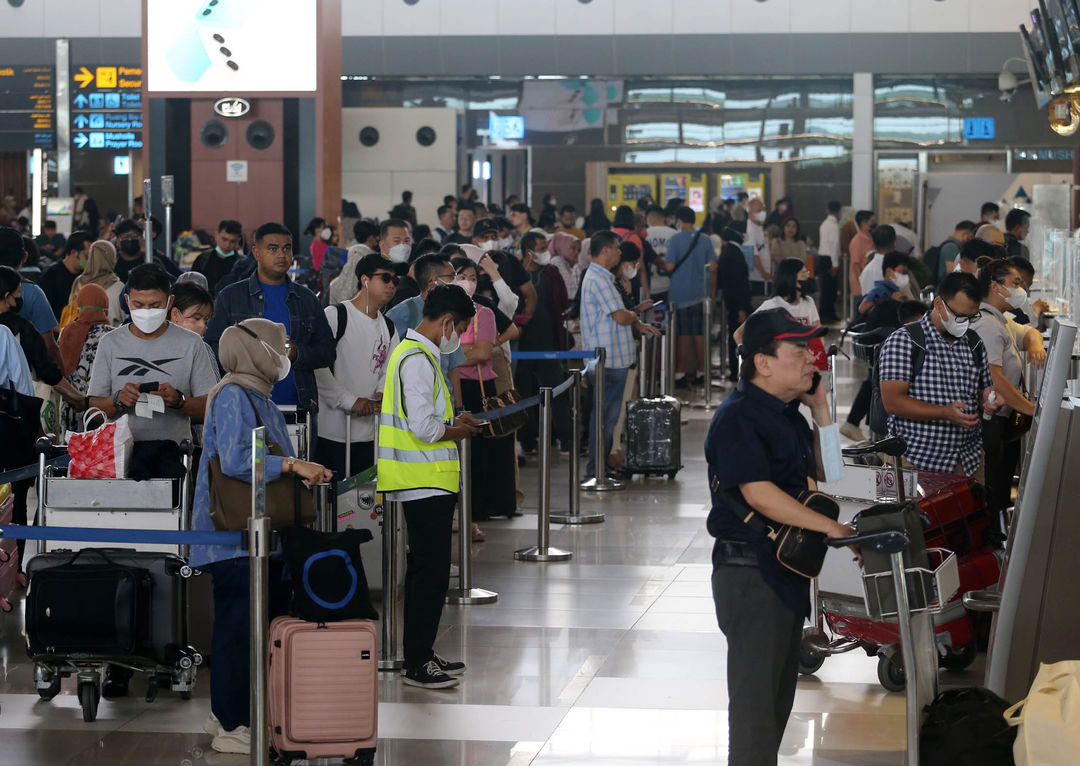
[[79, 344], [101, 270], [252, 353]]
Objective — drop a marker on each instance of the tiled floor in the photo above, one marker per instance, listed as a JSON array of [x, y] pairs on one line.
[[611, 658]]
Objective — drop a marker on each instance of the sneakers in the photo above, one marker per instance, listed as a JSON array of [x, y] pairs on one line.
[[212, 726], [429, 676], [236, 741], [852, 431], [448, 667]]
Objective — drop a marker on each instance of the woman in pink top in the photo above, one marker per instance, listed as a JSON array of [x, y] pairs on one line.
[[492, 468]]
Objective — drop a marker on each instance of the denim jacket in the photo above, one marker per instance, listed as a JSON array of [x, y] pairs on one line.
[[310, 334]]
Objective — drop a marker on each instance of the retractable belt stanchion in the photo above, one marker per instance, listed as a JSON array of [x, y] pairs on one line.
[[830, 358], [600, 482], [390, 656], [259, 566], [706, 395], [148, 229], [465, 594], [667, 351], [845, 288], [543, 551], [168, 197], [721, 309], [574, 514]]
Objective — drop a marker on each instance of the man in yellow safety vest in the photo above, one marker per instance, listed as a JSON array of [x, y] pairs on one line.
[[418, 464]]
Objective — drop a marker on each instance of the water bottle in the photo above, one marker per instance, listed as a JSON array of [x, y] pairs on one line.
[[990, 402]]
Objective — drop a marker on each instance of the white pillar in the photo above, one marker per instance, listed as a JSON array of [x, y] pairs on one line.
[[862, 141]]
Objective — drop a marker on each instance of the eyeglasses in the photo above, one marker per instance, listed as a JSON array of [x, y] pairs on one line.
[[389, 279], [962, 318]]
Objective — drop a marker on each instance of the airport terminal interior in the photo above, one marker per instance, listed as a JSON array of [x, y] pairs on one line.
[[508, 131]]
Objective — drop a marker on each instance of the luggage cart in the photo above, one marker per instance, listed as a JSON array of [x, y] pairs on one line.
[[916, 593], [298, 422], [110, 504]]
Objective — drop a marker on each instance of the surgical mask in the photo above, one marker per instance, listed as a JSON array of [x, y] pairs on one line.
[[629, 270], [901, 280], [284, 365], [506, 242], [129, 247], [148, 320], [542, 259], [223, 254], [400, 253], [488, 245], [326, 233], [1017, 297], [759, 217], [468, 285], [451, 344], [952, 326]]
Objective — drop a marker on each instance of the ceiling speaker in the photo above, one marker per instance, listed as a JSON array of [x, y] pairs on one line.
[[214, 134], [369, 136], [260, 134], [425, 136]]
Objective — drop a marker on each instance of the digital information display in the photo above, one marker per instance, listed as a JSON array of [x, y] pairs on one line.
[[505, 128], [231, 46], [27, 108], [106, 107]]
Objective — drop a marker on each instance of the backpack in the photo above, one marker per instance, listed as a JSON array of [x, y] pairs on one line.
[[343, 322], [966, 727], [879, 418], [932, 260]]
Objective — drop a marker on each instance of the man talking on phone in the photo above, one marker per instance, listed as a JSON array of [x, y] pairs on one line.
[[761, 455]]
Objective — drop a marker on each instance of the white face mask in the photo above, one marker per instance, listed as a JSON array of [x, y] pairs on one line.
[[542, 259], [1017, 297], [468, 285], [488, 245], [952, 326], [901, 280], [629, 270], [283, 362], [449, 345], [148, 320], [400, 253], [326, 233], [505, 242], [758, 217]]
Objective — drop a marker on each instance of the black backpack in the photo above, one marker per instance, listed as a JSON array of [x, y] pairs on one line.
[[879, 418], [966, 727], [932, 260]]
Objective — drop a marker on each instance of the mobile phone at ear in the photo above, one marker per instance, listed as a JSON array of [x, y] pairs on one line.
[[815, 384]]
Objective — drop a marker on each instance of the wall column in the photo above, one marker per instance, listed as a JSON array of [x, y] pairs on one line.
[[862, 142], [328, 113]]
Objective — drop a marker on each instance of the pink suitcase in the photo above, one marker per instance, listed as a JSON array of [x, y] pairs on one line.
[[323, 689]]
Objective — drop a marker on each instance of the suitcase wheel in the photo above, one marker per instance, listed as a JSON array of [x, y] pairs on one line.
[[959, 659], [89, 696], [48, 692], [890, 673]]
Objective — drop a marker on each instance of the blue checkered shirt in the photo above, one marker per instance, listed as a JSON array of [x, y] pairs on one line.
[[599, 300], [948, 374]]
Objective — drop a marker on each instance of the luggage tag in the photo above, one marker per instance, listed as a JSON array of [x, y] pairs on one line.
[[832, 461]]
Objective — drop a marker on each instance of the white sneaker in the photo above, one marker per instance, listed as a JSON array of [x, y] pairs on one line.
[[212, 726], [852, 432], [236, 741]]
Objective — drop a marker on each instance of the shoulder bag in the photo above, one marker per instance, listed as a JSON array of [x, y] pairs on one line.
[[1017, 423], [510, 423], [288, 500]]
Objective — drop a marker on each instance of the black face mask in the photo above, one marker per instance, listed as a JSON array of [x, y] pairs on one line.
[[806, 286], [18, 305], [129, 247]]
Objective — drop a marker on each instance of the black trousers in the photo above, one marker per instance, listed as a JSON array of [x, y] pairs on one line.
[[763, 637], [332, 455], [1001, 461], [860, 408], [427, 573], [827, 285], [530, 376]]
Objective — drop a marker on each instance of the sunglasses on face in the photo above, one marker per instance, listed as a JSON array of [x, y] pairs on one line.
[[389, 279]]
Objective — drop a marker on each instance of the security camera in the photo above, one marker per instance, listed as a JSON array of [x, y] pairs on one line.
[[1007, 84]]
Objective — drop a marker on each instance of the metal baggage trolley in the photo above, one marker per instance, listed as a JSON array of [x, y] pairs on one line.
[[159, 504]]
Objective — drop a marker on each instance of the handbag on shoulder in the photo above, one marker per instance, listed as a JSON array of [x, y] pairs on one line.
[[505, 425], [288, 500]]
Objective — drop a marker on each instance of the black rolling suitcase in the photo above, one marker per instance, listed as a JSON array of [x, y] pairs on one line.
[[107, 603], [654, 436]]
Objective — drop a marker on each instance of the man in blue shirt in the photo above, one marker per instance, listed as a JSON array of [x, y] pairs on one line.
[[269, 293], [35, 306], [688, 252]]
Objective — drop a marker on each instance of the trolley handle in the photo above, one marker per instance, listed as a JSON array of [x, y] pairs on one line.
[[45, 447], [894, 446], [885, 540]]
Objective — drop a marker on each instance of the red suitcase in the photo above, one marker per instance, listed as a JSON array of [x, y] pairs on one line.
[[323, 689]]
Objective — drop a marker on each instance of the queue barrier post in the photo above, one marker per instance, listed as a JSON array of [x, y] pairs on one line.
[[543, 551], [390, 654], [148, 229], [465, 594], [667, 351], [706, 396], [259, 566], [574, 514], [725, 339], [168, 198], [600, 482]]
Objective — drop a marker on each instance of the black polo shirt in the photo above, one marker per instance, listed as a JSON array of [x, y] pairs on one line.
[[756, 437]]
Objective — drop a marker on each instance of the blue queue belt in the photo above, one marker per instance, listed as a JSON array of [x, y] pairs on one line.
[[154, 536], [31, 471]]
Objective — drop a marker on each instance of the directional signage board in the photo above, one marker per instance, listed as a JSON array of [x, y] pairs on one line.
[[27, 108], [106, 107]]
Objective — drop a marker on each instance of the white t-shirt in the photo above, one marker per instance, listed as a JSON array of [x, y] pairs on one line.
[[755, 238], [871, 273], [360, 371], [805, 311], [657, 237]]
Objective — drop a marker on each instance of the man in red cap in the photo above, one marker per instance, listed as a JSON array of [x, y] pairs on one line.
[[761, 456]]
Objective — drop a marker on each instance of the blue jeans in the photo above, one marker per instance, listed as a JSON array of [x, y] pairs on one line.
[[614, 385]]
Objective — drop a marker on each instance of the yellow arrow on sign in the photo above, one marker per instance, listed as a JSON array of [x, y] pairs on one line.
[[84, 77]]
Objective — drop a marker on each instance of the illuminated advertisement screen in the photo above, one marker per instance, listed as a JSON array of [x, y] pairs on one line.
[[231, 46]]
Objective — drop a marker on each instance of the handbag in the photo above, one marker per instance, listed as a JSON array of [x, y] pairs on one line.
[[507, 424], [288, 500], [1048, 721], [327, 573], [20, 415], [103, 453], [963, 727], [1017, 423]]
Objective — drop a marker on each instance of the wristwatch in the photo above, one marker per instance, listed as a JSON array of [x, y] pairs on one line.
[[291, 461], [183, 399]]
